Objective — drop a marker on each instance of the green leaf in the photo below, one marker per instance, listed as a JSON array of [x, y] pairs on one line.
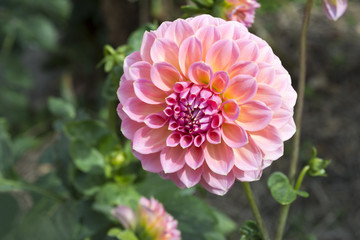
[[281, 189], [88, 131], [6, 151], [86, 158], [122, 234], [135, 38], [204, 3], [111, 195], [224, 224], [61, 108], [191, 10], [302, 193], [250, 231]]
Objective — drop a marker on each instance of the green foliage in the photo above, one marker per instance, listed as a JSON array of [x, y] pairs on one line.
[[281, 189], [122, 234], [317, 165], [250, 231], [61, 108]]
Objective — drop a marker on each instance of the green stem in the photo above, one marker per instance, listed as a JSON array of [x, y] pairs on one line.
[[298, 114], [301, 177], [255, 211]]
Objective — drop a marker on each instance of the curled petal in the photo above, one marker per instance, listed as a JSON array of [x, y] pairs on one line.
[[220, 82], [214, 136], [219, 158], [200, 73], [173, 139], [186, 141], [156, 120], [230, 110], [233, 135]]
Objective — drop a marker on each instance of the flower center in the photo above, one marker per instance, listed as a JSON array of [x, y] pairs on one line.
[[193, 111]]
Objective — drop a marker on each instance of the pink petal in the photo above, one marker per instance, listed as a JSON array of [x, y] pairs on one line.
[[165, 50], [207, 35], [204, 20], [130, 60], [189, 177], [248, 157], [190, 51], [164, 76], [173, 139], [266, 73], [129, 127], [267, 139], [149, 162], [137, 110], [230, 110], [126, 216], [282, 115], [217, 121], [254, 116], [222, 55], [215, 183], [186, 141], [213, 136], [156, 120], [288, 130], [125, 90], [273, 155], [247, 176], [160, 32], [334, 9], [269, 96], [140, 70], [242, 88], [147, 92], [249, 50], [147, 42], [219, 158], [200, 73], [178, 31], [172, 159], [234, 135], [147, 140], [232, 31], [243, 68], [194, 157], [289, 95], [199, 139], [220, 82]]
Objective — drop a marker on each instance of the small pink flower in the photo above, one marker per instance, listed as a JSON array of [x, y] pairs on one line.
[[150, 222], [334, 9], [242, 11], [205, 101]]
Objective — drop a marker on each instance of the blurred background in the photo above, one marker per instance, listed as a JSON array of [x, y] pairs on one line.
[[53, 48]]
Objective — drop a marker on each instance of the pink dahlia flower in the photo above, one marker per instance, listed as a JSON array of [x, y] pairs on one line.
[[334, 9], [150, 222], [242, 11], [207, 102]]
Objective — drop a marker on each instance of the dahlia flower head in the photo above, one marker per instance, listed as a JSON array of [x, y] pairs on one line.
[[151, 221], [205, 101], [242, 11]]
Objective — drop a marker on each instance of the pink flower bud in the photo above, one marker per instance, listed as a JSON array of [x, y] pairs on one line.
[[334, 9], [126, 216]]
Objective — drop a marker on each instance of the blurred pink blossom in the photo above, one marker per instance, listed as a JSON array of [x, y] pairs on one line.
[[151, 220], [334, 9], [205, 101], [242, 11]]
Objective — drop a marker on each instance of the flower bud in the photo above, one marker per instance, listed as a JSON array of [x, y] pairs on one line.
[[334, 9], [317, 165], [126, 216]]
